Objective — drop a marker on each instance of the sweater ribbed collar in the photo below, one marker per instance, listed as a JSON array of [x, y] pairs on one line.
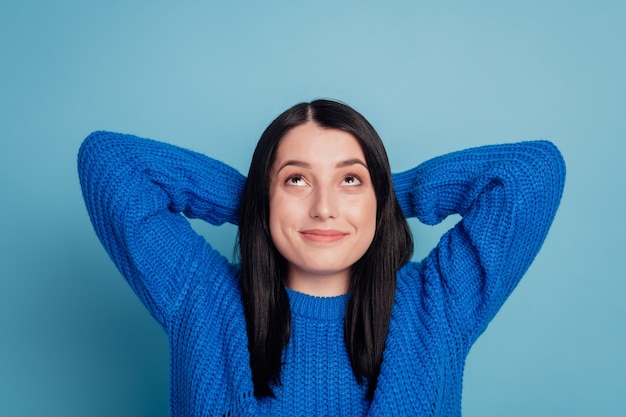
[[319, 308]]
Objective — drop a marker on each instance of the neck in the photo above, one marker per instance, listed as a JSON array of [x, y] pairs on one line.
[[319, 285]]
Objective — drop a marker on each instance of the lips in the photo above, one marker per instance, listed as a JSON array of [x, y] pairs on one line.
[[323, 235]]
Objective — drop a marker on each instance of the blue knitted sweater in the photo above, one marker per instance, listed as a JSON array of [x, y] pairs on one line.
[[139, 194]]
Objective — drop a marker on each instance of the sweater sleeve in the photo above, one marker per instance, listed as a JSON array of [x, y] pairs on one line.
[[136, 191], [507, 196]]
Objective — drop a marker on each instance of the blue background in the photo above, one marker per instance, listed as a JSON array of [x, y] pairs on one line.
[[431, 76]]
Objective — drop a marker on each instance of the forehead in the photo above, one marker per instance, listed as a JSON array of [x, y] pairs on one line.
[[317, 145]]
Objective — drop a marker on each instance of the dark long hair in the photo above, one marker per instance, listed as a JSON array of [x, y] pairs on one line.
[[373, 277]]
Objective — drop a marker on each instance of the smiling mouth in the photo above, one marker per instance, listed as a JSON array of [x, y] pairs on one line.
[[317, 235]]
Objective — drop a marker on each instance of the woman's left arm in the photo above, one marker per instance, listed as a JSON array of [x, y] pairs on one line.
[[507, 196]]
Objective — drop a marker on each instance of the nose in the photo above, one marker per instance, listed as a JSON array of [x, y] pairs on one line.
[[323, 203]]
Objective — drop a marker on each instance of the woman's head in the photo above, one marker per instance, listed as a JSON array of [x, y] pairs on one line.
[[327, 115], [264, 268], [322, 208]]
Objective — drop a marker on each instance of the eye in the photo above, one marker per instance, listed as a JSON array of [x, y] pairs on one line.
[[295, 180], [351, 180]]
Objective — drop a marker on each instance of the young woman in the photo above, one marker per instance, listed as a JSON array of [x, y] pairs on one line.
[[324, 314]]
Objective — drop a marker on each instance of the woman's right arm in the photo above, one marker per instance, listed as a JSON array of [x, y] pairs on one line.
[[135, 191]]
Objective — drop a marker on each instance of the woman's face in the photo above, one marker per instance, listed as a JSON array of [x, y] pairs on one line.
[[322, 207]]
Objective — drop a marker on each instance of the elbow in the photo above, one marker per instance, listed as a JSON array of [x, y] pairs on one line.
[[92, 156], [553, 169]]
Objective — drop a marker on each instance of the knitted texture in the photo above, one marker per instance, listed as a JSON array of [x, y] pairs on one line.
[[138, 193]]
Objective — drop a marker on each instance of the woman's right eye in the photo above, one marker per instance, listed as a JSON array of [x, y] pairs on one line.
[[295, 180]]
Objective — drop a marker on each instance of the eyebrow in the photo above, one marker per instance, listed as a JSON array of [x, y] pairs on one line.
[[302, 164]]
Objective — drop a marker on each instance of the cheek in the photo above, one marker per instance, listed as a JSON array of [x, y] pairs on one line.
[[281, 216], [275, 215], [372, 220], [366, 218]]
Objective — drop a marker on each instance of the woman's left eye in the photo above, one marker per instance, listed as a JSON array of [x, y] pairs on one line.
[[351, 180]]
